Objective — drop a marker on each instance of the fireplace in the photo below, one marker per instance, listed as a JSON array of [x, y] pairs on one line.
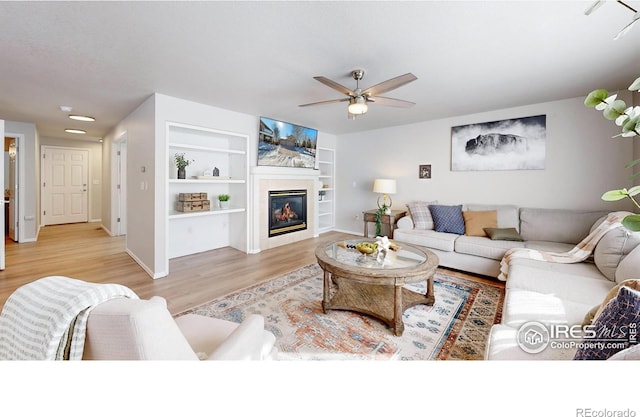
[[287, 211]]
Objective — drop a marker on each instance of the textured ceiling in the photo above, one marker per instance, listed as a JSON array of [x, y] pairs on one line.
[[105, 58]]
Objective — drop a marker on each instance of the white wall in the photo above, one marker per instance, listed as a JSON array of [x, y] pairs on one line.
[[582, 162], [145, 129], [95, 171], [31, 160]]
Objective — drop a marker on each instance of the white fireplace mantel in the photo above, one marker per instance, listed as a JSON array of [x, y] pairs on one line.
[[264, 179]]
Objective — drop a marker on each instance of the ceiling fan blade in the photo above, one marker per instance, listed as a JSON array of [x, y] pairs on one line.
[[339, 87], [594, 7], [389, 85], [337, 100], [392, 102]]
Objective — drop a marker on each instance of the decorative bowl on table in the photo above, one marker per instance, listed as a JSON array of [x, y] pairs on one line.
[[367, 248]]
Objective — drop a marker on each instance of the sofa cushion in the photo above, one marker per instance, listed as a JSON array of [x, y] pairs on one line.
[[508, 215], [629, 267], [484, 247], [522, 306], [613, 322], [545, 246], [428, 238], [557, 225], [612, 248], [447, 219], [421, 215], [507, 233], [476, 221], [578, 282]]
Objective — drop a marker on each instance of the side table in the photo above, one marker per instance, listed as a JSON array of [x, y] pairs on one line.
[[390, 220]]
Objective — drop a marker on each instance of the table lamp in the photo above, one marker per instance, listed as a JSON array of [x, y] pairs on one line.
[[385, 187]]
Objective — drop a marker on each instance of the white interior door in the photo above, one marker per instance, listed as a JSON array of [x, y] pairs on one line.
[[122, 187], [64, 185]]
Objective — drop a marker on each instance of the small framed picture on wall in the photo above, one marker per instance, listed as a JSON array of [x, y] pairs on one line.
[[424, 171]]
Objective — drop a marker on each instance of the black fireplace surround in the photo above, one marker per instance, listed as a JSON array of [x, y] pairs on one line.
[[287, 211]]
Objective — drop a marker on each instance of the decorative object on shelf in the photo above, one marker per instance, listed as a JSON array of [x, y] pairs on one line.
[[325, 185], [181, 164], [223, 199], [500, 145], [215, 172], [625, 29], [628, 118], [424, 171], [321, 195], [207, 173], [385, 187], [188, 202]]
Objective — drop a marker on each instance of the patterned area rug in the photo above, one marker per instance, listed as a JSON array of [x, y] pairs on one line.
[[455, 327]]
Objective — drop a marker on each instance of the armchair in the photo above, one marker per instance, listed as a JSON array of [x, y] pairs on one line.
[[123, 328]]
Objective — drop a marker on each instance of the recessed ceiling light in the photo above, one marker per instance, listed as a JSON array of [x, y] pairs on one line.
[[82, 118], [77, 131]]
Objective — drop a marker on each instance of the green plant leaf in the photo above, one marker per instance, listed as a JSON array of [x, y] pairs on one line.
[[631, 125], [634, 190], [632, 163], [632, 222], [596, 97], [614, 109], [615, 195]]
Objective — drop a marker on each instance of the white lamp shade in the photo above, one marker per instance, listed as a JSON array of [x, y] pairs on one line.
[[384, 186]]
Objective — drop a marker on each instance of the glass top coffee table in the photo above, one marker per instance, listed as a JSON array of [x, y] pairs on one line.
[[370, 286]]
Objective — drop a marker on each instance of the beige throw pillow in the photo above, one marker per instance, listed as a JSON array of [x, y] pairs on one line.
[[476, 221]]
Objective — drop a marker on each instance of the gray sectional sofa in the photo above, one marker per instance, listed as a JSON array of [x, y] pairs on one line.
[[552, 294]]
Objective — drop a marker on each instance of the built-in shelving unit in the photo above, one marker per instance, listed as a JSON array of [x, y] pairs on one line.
[[326, 193], [208, 149]]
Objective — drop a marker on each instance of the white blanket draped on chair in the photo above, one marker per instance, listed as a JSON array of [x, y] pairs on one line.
[[578, 254], [46, 319]]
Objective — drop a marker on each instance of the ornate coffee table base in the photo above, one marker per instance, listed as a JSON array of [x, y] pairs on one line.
[[384, 302]]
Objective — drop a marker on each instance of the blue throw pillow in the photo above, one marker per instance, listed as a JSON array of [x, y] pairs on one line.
[[615, 327], [447, 219]]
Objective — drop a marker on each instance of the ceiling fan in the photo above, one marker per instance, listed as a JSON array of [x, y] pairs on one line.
[[358, 99]]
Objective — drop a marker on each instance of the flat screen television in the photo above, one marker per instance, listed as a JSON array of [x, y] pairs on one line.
[[283, 144]]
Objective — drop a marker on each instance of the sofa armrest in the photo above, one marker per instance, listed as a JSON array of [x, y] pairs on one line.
[[405, 223], [249, 341]]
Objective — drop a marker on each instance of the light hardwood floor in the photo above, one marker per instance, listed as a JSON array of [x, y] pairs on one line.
[[85, 251]]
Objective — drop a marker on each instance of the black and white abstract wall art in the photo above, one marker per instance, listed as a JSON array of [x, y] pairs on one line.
[[512, 144]]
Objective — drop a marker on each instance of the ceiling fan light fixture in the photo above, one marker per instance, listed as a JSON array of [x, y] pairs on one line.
[[358, 105]]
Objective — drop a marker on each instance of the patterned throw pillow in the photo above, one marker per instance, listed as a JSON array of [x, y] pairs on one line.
[[421, 215], [447, 219], [613, 326]]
